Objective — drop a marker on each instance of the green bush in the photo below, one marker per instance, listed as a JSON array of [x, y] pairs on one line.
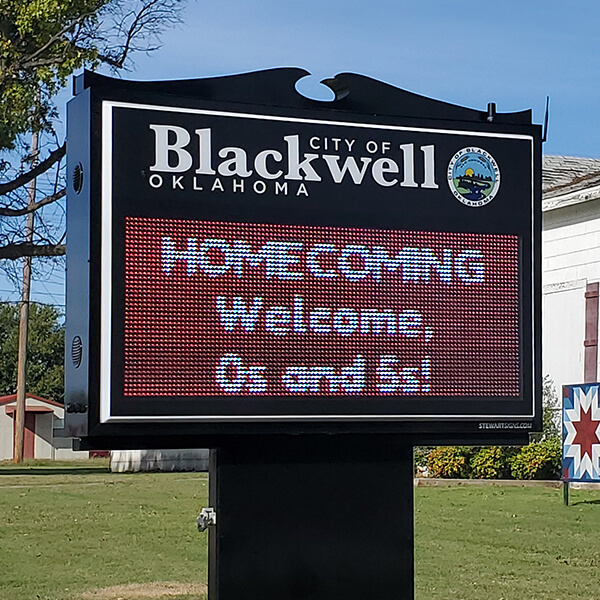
[[420, 455], [538, 460], [551, 415], [491, 462], [449, 462]]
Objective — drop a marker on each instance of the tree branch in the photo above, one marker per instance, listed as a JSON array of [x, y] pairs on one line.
[[41, 62], [15, 251], [19, 212], [136, 26], [144, 19], [109, 60], [30, 61], [59, 34], [42, 167]]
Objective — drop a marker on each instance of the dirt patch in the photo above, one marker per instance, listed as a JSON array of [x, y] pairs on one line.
[[146, 591]]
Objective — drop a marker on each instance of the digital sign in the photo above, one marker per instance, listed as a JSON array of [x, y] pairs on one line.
[[257, 309], [244, 262]]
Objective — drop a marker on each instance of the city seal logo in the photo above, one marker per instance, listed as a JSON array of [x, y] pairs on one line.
[[473, 176]]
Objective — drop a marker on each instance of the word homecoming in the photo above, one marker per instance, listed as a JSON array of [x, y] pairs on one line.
[[180, 163], [295, 260]]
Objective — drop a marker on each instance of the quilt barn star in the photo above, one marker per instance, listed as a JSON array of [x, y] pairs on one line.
[[581, 432]]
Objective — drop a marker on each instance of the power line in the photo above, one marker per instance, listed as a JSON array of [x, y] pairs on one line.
[[37, 293], [15, 302]]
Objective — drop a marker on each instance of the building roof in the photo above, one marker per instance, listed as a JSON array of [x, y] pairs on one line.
[[11, 410], [569, 180], [12, 398]]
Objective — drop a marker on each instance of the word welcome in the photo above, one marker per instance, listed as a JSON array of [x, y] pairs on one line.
[[240, 314]]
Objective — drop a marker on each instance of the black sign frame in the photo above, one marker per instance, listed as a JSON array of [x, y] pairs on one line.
[[269, 96]]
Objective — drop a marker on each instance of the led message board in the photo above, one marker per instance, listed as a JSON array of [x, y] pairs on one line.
[[301, 263], [229, 309]]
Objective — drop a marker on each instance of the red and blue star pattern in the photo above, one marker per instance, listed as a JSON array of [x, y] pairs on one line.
[[581, 432]]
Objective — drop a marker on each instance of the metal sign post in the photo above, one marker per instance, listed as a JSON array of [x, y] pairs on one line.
[[308, 288], [312, 518]]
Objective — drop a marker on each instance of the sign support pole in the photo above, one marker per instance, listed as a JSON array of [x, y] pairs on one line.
[[321, 518]]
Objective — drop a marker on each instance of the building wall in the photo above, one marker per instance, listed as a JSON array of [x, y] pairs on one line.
[[159, 460], [570, 260], [63, 447], [6, 435], [43, 435], [63, 450], [563, 333], [571, 243]]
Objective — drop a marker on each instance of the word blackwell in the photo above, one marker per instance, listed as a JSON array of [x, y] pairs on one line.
[[174, 154]]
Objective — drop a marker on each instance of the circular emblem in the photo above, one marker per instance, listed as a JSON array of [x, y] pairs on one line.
[[473, 176]]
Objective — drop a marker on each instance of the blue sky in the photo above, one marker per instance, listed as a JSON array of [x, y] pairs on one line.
[[514, 53], [469, 53]]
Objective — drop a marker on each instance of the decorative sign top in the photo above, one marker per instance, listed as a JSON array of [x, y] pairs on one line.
[[300, 262]]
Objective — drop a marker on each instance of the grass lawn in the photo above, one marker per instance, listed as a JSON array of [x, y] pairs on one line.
[[506, 543], [83, 528], [77, 532]]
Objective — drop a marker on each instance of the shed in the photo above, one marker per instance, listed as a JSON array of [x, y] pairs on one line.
[[44, 420]]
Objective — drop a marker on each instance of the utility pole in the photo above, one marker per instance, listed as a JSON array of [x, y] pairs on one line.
[[24, 316]]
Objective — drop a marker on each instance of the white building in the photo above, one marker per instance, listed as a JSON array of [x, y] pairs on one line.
[[43, 419], [570, 269]]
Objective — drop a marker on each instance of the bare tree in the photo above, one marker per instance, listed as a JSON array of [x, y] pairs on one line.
[[37, 56]]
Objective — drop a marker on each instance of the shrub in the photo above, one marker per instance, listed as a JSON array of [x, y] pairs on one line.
[[449, 462], [491, 462], [420, 454], [551, 415], [538, 460]]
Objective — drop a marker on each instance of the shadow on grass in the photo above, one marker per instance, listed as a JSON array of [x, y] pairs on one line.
[[91, 466], [53, 471], [585, 502]]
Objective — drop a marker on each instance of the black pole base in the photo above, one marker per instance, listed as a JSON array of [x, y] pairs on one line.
[[315, 517]]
